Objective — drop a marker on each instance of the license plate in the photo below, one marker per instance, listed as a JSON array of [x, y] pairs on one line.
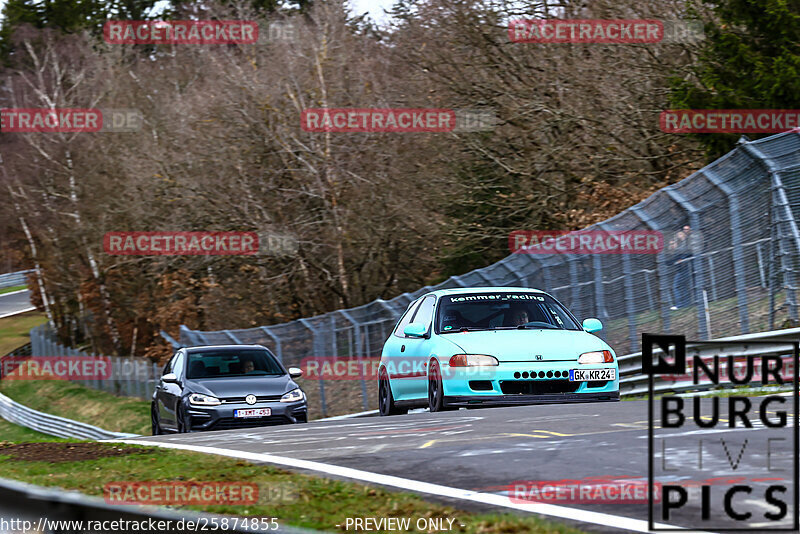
[[587, 375], [260, 412]]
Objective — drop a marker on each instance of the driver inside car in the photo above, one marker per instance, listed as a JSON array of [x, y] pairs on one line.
[[248, 366], [518, 315]]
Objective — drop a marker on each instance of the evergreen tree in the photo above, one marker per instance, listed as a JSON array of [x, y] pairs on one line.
[[68, 16], [750, 60]]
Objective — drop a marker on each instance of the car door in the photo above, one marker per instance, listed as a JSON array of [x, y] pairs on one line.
[[414, 365], [395, 349], [168, 394]]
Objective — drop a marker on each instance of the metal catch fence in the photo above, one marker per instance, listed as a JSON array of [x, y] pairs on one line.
[[130, 377], [729, 266]]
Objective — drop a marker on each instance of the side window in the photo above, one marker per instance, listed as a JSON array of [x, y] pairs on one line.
[[177, 366], [168, 367], [406, 319], [424, 313]]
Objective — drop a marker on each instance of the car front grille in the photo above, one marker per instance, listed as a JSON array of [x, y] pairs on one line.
[[260, 398], [537, 387]]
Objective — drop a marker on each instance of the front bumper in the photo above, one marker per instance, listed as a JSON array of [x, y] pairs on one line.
[[517, 400], [221, 417], [525, 383]]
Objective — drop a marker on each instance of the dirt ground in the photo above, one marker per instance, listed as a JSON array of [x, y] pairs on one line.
[[64, 452]]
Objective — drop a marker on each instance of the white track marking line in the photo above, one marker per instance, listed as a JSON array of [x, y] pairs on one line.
[[564, 512], [17, 312]]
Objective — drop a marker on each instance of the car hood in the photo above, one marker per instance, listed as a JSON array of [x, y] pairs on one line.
[[243, 386], [526, 345]]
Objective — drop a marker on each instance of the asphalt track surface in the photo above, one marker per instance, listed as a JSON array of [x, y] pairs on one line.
[[16, 302], [489, 450]]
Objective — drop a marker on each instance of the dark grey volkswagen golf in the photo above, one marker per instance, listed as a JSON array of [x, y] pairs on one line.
[[221, 387]]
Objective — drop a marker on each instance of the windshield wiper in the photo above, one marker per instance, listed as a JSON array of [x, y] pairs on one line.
[[535, 325], [464, 329]]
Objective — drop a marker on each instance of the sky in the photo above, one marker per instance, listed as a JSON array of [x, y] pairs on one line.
[[374, 7]]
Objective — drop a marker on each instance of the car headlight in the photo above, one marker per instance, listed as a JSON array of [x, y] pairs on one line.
[[472, 360], [293, 396], [598, 356], [198, 399]]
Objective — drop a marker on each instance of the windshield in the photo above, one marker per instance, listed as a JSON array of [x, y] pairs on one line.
[[226, 364], [495, 311]]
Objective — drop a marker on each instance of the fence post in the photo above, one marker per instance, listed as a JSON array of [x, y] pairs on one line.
[[575, 306], [695, 261], [781, 204], [661, 268], [599, 293], [630, 310], [357, 327], [315, 351], [736, 242]]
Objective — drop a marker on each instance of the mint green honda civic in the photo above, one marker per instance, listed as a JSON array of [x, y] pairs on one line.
[[493, 346]]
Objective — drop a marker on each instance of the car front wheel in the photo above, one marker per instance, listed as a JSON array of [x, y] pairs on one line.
[[181, 417], [436, 389], [156, 427]]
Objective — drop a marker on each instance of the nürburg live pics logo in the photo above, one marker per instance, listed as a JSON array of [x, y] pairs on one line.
[[744, 441]]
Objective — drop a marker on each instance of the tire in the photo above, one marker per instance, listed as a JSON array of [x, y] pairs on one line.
[[436, 389], [386, 405], [180, 417], [154, 424]]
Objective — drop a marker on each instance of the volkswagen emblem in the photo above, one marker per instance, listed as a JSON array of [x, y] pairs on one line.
[[250, 399]]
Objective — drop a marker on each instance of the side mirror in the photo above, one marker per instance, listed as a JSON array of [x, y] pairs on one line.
[[295, 372], [170, 378], [415, 330], [592, 325]]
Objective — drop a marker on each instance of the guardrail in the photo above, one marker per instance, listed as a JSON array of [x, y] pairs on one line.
[[19, 278], [51, 424], [633, 382], [43, 508]]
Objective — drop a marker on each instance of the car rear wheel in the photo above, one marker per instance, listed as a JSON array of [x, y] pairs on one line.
[[386, 405], [436, 389], [156, 427]]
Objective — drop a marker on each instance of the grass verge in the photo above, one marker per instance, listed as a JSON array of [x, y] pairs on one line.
[[74, 401], [68, 399], [15, 330], [11, 433], [11, 289], [294, 499]]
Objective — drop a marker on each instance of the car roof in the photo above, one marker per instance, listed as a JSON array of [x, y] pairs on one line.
[[231, 348], [485, 289]]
